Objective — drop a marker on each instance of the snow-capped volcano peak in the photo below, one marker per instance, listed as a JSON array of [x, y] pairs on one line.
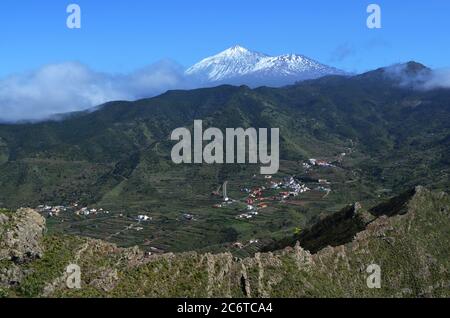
[[238, 65], [235, 61], [235, 50]]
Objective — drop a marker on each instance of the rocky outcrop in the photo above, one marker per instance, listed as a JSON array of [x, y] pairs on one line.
[[21, 237], [21, 234], [336, 229]]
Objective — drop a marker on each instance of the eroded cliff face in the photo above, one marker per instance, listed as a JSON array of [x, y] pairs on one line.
[[409, 242], [20, 243]]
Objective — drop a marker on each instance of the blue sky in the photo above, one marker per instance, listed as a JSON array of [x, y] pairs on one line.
[[124, 35], [47, 68]]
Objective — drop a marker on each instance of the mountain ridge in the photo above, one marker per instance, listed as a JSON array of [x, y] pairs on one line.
[[238, 65]]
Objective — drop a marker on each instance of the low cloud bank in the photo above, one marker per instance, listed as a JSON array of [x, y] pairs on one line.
[[440, 79], [418, 77], [67, 87]]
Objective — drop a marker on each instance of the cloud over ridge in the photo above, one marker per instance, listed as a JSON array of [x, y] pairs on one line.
[[72, 86]]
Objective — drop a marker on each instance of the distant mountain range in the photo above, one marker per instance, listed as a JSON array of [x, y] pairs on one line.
[[240, 66], [62, 88]]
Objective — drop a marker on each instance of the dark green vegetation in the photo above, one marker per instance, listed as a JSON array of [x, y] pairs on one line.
[[407, 237], [118, 158]]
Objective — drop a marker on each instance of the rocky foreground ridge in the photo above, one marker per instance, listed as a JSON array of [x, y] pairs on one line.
[[407, 237]]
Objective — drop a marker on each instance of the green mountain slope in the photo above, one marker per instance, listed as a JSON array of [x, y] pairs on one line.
[[118, 156]]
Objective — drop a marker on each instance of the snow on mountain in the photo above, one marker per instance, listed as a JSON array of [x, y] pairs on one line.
[[238, 66], [230, 63]]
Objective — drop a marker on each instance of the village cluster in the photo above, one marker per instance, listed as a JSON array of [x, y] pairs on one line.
[[289, 186], [256, 199], [53, 211]]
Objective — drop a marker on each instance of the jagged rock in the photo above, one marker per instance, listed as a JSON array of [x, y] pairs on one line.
[[21, 241], [336, 229], [107, 280], [21, 235], [11, 275], [3, 219]]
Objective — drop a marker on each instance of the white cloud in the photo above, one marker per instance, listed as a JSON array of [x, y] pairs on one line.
[[440, 79], [418, 77], [68, 87]]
